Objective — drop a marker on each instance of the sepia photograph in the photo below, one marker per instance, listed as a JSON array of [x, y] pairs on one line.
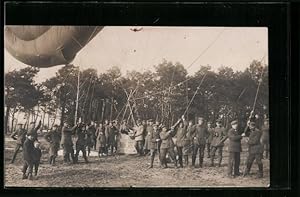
[[136, 106]]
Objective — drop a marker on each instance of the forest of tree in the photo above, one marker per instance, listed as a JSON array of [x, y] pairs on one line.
[[162, 94]]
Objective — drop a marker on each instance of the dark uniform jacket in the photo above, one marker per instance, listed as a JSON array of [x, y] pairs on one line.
[[139, 133], [53, 137], [28, 150], [255, 147], [234, 141], [81, 135], [21, 136], [211, 132], [154, 135], [265, 134], [200, 135], [189, 135], [219, 137], [112, 133], [37, 154], [166, 138], [181, 136], [66, 137], [101, 139]]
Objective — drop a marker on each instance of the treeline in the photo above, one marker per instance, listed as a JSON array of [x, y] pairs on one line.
[[162, 94]]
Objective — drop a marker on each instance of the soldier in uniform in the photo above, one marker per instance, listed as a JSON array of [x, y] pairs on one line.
[[81, 142], [234, 149], [21, 136], [112, 133], [33, 131], [154, 143], [181, 139], [149, 130], [53, 137], [101, 140], [107, 126], [167, 146], [92, 133], [139, 137], [66, 142], [188, 142], [255, 150], [265, 137], [28, 155], [209, 138], [199, 139], [217, 143]]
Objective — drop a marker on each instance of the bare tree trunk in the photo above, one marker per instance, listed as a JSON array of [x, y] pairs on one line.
[[7, 118], [103, 109]]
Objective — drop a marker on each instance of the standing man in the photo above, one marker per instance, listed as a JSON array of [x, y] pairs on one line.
[[21, 137], [33, 131], [67, 143], [217, 143], [154, 143], [167, 146], [234, 149], [199, 139], [139, 137], [81, 142], [188, 142], [149, 130], [181, 139], [92, 132], [209, 138], [255, 150], [265, 137], [53, 137], [107, 126], [28, 154]]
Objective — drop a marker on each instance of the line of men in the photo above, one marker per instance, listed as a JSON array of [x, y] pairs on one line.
[[156, 138], [184, 139]]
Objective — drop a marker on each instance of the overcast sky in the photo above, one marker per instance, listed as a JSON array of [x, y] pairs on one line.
[[119, 46]]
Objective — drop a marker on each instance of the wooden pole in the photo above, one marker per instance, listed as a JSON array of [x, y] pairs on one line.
[[77, 97]]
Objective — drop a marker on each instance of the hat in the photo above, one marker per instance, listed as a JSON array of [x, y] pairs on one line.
[[234, 122], [200, 118], [267, 119], [55, 125], [219, 120], [32, 123], [252, 123], [150, 120], [20, 123]]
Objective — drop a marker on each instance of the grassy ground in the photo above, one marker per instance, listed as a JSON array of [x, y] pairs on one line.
[[126, 171]]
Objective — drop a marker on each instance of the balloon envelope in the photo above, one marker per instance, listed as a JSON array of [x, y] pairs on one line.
[[46, 46]]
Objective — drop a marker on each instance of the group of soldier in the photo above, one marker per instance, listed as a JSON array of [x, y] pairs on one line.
[[178, 143]]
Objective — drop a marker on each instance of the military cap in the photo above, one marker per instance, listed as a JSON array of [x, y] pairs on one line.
[[150, 120], [234, 122], [252, 123], [32, 123], [55, 125], [200, 118], [219, 120], [20, 123]]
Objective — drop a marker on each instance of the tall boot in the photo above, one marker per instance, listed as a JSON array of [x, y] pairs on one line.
[[193, 160], [212, 161], [180, 162], [260, 171], [53, 160], [186, 160], [200, 162], [50, 159], [247, 169], [30, 176], [220, 161], [151, 162]]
